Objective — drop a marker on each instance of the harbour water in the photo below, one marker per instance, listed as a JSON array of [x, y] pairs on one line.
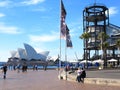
[[40, 67]]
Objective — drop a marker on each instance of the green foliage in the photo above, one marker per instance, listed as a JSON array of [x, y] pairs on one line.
[[85, 36], [105, 45], [118, 43], [103, 36]]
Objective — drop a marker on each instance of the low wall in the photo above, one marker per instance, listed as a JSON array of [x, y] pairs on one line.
[[98, 81]]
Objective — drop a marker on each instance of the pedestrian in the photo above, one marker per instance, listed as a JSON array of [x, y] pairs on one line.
[[18, 68], [79, 72], [33, 67], [45, 66], [83, 75], [36, 67], [4, 70], [14, 67]]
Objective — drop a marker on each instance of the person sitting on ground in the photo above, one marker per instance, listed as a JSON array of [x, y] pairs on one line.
[[83, 75], [79, 72]]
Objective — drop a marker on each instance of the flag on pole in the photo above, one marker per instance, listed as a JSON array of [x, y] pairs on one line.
[[63, 11], [63, 24], [68, 39], [63, 30]]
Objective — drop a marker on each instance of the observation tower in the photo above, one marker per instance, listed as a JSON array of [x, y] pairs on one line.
[[95, 20]]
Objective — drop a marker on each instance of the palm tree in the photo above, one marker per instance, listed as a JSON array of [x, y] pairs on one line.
[[104, 45], [86, 37], [103, 36], [118, 45]]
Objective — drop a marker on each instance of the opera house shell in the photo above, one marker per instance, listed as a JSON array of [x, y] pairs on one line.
[[29, 53]]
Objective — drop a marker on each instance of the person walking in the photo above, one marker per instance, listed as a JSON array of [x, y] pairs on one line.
[[18, 68], [36, 67], [4, 69]]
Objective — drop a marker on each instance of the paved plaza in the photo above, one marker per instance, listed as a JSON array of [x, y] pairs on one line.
[[44, 80]]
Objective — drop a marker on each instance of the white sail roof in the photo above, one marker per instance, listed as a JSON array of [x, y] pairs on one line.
[[29, 53]]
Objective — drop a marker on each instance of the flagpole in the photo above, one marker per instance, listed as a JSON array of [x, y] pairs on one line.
[[59, 69], [66, 56], [64, 34]]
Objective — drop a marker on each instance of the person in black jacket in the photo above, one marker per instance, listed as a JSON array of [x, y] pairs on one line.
[[83, 74], [4, 68]]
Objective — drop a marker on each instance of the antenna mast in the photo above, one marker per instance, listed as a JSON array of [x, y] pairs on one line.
[[94, 2]]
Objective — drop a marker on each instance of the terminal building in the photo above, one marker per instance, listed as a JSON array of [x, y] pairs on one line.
[[95, 21]]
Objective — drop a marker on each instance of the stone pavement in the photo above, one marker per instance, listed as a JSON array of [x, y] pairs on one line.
[[103, 77], [44, 80]]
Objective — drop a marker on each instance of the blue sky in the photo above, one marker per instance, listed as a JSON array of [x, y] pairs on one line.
[[37, 22]]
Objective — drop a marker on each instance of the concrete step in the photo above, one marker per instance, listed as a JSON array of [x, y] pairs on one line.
[[98, 81]]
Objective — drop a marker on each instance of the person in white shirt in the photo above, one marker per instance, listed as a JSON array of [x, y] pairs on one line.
[[79, 72]]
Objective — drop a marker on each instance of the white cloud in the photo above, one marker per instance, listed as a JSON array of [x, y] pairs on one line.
[[2, 15], [113, 10], [44, 38], [8, 29], [17, 3], [4, 3], [32, 2], [42, 9]]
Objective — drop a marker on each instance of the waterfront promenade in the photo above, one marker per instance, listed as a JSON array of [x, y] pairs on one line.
[[44, 80]]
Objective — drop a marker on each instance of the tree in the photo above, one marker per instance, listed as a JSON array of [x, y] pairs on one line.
[[118, 45], [104, 45], [103, 36], [86, 37]]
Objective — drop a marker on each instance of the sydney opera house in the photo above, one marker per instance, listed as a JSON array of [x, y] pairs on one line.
[[28, 54]]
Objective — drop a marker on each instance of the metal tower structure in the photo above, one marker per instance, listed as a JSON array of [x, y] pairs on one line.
[[95, 20]]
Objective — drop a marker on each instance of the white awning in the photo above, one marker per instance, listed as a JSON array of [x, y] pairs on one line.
[[86, 61], [112, 60]]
